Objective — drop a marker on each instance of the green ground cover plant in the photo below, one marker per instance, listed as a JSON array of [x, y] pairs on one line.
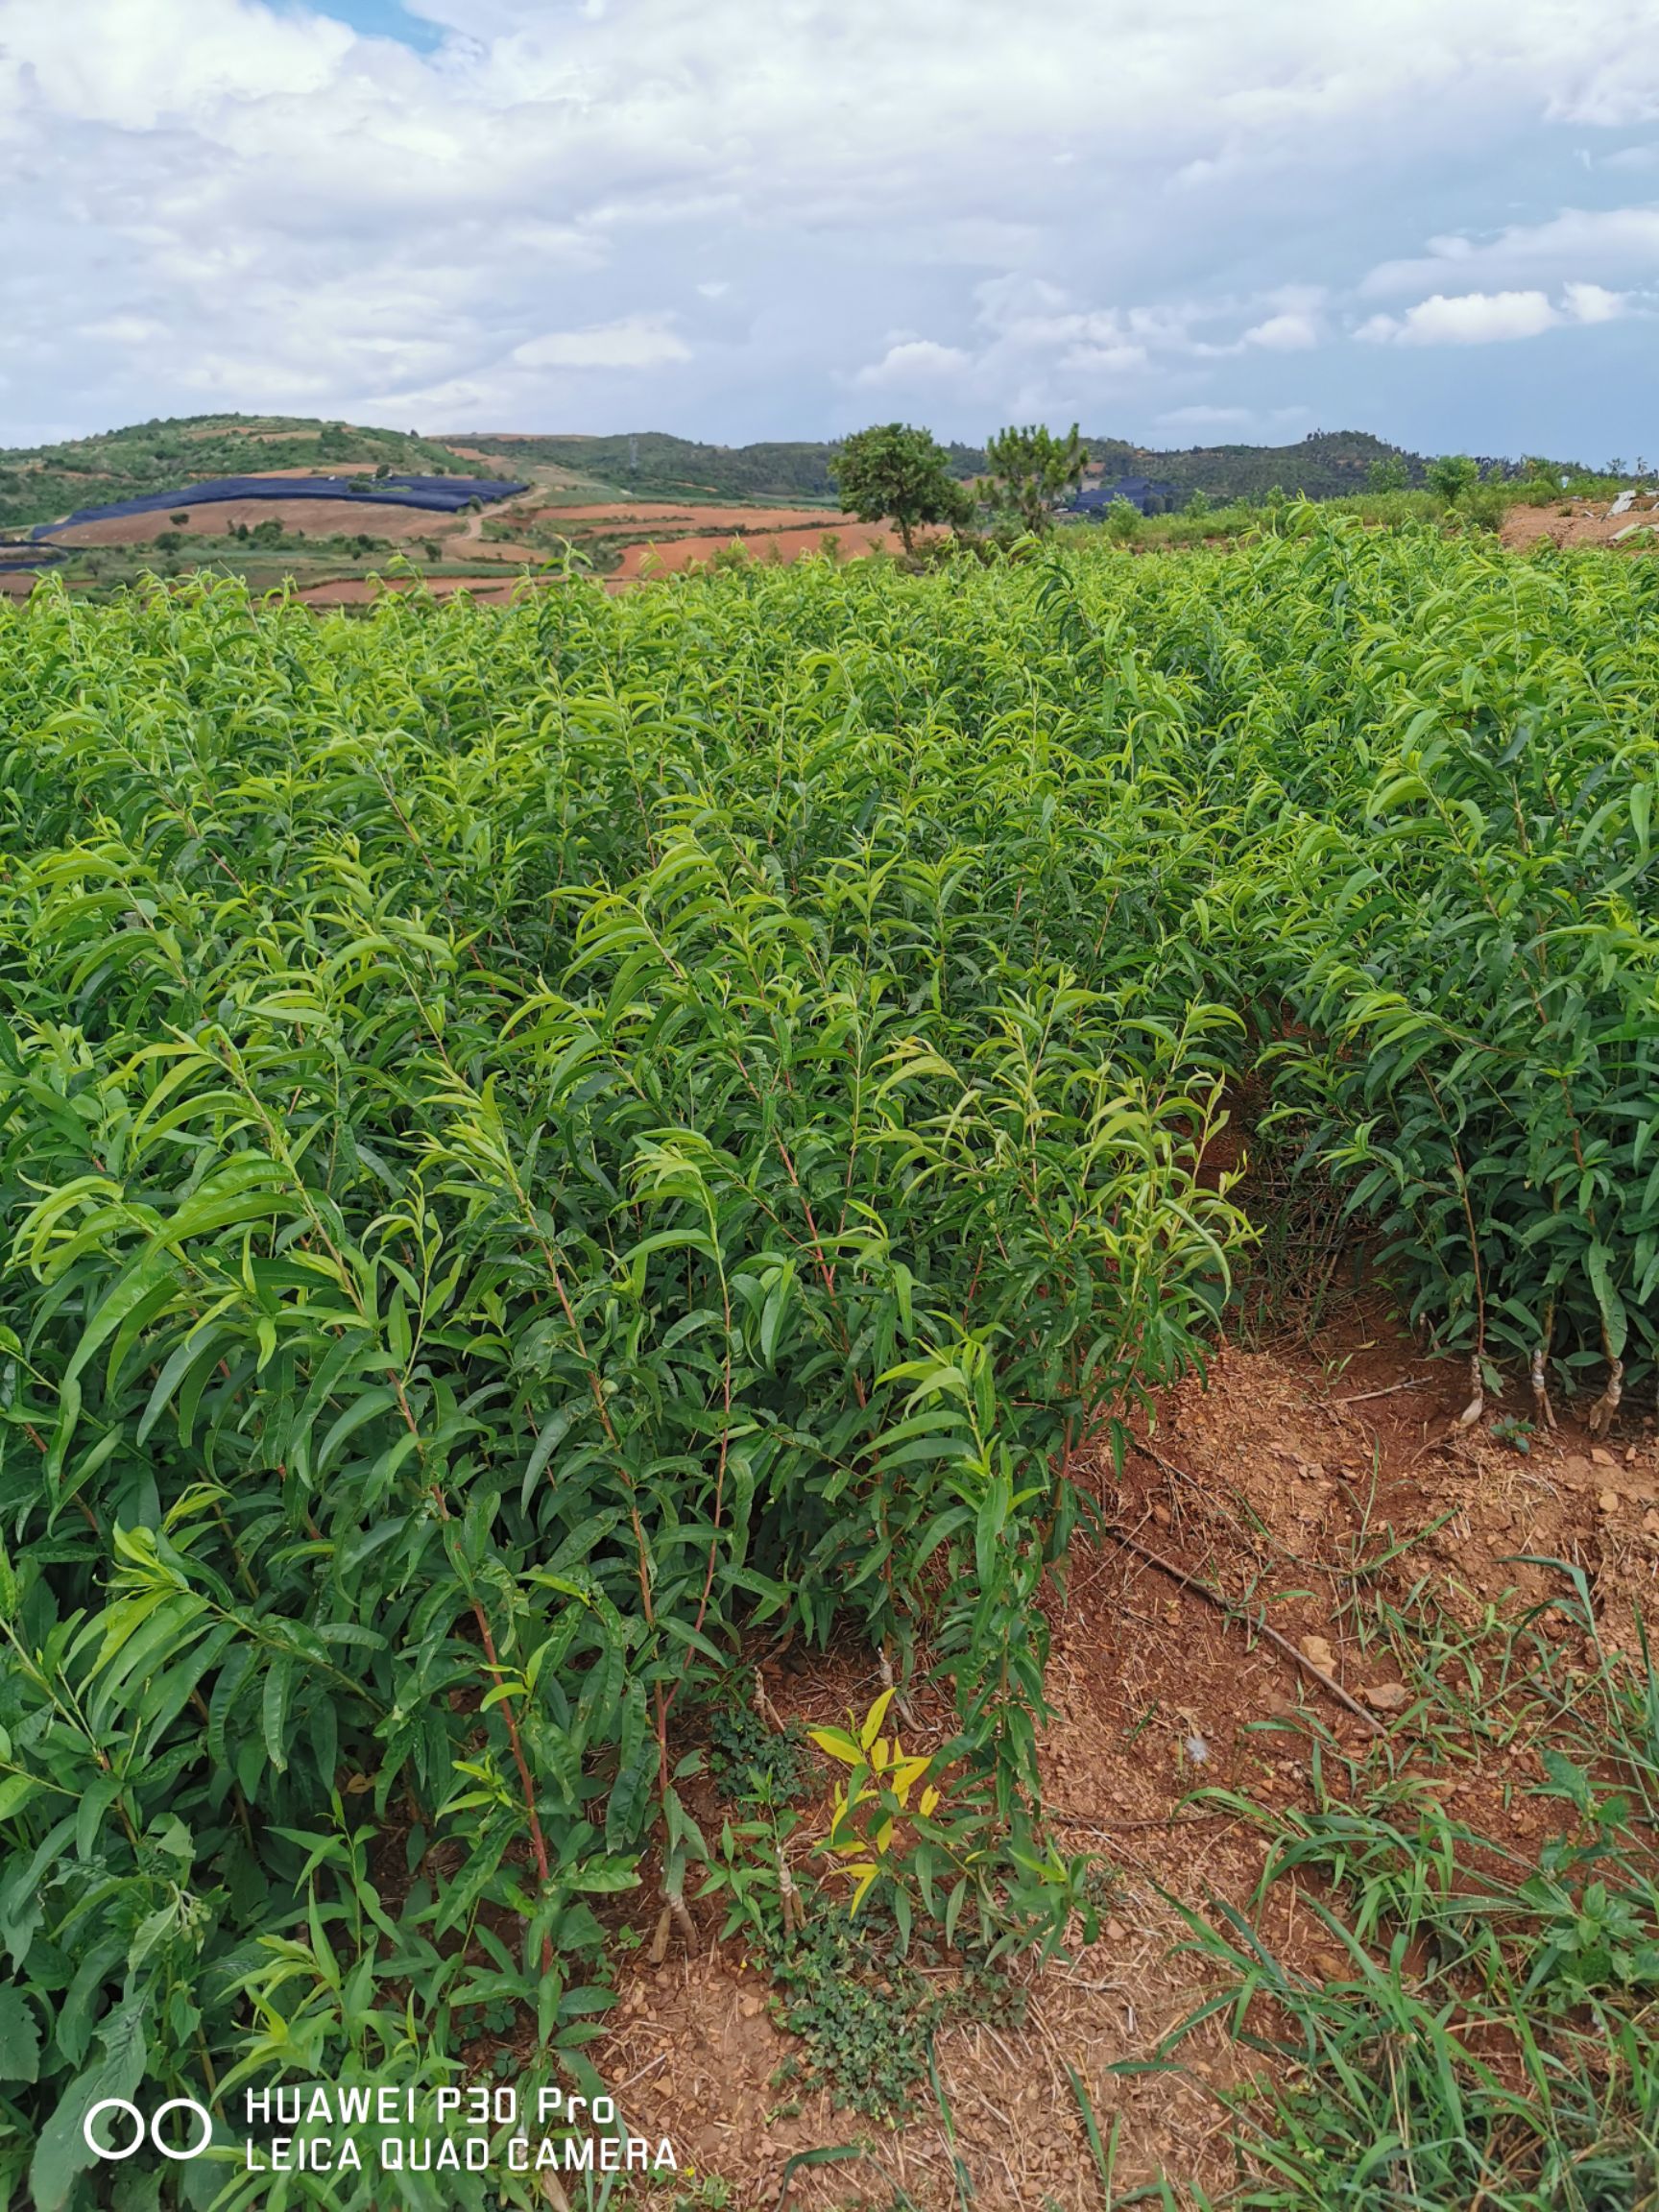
[[538, 1144]]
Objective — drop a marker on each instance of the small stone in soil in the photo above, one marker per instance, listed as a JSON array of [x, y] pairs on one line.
[[1387, 1696]]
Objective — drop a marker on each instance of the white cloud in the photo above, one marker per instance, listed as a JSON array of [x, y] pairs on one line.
[[1291, 332], [1593, 303], [1102, 360], [125, 329], [1466, 319], [634, 342], [1491, 317], [1578, 243], [912, 361], [137, 66], [730, 206]]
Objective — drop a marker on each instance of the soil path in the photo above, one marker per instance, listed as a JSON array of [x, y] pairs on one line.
[[1267, 1482]]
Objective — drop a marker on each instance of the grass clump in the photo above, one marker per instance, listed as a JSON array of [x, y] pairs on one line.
[[1492, 2033]]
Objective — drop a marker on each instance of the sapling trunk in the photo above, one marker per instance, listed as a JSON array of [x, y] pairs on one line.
[[675, 1913], [1540, 1405], [1601, 1413], [906, 1710], [761, 1705], [1476, 1404], [794, 1911]]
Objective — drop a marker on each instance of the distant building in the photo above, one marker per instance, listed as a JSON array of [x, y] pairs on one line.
[[1151, 498]]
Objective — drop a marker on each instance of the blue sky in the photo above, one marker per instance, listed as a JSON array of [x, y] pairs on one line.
[[385, 19], [1181, 221]]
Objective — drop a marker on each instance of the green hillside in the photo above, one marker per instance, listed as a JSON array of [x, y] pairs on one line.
[[41, 482], [656, 465], [649, 461], [1325, 464]]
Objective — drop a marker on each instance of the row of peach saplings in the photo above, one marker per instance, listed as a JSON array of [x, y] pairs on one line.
[[545, 1152]]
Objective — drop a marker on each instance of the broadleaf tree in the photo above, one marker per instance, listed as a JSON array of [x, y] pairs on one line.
[[894, 473], [1453, 474]]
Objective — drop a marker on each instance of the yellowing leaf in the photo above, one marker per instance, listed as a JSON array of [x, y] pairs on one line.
[[873, 1721]]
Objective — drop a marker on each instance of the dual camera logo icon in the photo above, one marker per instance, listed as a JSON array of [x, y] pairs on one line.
[[145, 2129]]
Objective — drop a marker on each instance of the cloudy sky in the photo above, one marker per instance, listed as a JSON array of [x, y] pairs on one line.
[[1178, 219]]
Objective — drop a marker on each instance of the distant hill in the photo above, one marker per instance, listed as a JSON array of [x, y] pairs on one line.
[[1323, 465], [41, 482], [659, 466]]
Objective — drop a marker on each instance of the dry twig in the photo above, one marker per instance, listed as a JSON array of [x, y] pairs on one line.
[[1233, 1613]]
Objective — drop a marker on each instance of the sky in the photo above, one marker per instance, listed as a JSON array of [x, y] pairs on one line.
[[1177, 221]]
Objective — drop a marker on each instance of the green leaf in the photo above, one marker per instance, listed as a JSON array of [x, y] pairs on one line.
[[61, 2151], [274, 1712], [1598, 1267], [19, 2037]]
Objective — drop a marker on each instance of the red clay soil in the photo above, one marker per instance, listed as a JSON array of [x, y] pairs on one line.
[[1263, 1481], [215, 519], [504, 551], [1585, 522], [624, 512], [649, 558]]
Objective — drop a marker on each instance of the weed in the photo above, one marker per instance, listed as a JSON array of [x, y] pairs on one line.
[[867, 2016], [1494, 2033], [749, 1761], [1510, 1429]]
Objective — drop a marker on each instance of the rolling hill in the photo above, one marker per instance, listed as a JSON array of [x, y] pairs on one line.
[[40, 483], [1323, 465]]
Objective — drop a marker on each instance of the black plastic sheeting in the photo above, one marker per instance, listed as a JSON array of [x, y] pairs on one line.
[[1139, 491], [39, 560], [440, 494]]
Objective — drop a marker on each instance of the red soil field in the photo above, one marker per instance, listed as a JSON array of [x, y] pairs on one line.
[[627, 511], [502, 549], [1584, 522], [213, 518], [648, 559]]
